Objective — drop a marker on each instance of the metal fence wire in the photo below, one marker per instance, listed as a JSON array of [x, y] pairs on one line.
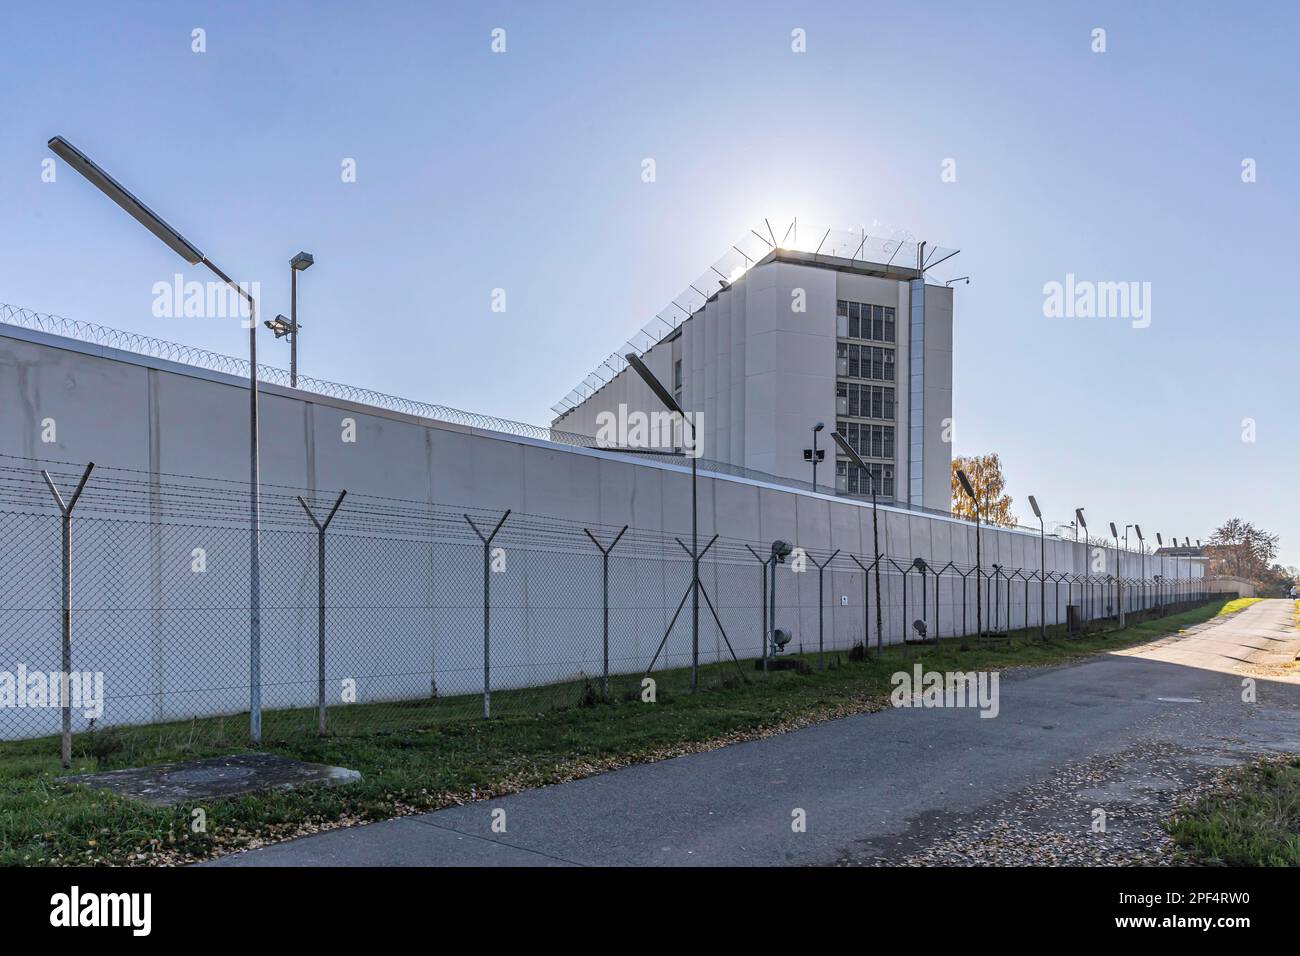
[[127, 608]]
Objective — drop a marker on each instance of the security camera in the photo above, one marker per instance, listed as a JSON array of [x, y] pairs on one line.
[[919, 626], [781, 550]]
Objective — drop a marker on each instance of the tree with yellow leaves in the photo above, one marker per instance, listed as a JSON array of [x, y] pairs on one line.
[[989, 484]]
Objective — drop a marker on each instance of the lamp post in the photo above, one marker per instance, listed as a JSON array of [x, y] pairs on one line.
[[1042, 570], [1160, 545], [1119, 594], [1078, 516], [1118, 559], [1142, 573], [816, 428], [979, 575], [673, 406], [875, 535], [997, 599], [299, 263], [289, 327], [142, 214]]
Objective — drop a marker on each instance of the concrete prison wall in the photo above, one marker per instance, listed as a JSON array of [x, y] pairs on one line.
[[405, 600]]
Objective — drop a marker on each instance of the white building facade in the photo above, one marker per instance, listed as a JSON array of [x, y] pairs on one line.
[[801, 338]]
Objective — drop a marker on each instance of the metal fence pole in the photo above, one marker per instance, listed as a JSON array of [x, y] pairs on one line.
[[320, 605], [762, 566], [904, 571], [65, 512], [937, 576], [487, 610], [821, 608], [866, 605], [604, 585]]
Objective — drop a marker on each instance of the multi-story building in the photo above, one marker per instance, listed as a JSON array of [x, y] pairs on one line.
[[832, 330]]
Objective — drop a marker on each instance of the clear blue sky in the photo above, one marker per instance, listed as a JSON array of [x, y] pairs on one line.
[[522, 171]]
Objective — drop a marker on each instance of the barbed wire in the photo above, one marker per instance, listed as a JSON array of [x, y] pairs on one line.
[[148, 345], [133, 496]]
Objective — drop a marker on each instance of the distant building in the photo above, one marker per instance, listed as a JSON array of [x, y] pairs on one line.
[[843, 329], [1181, 552]]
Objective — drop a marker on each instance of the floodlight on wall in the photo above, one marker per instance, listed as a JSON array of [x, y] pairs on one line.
[[280, 325]]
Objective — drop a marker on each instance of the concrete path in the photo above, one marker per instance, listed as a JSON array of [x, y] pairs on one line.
[[867, 781]]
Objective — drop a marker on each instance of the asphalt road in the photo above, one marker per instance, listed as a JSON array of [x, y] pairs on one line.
[[872, 781]]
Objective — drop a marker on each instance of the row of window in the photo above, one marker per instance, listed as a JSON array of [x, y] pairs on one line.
[[864, 361], [852, 480], [864, 401], [869, 441], [858, 320]]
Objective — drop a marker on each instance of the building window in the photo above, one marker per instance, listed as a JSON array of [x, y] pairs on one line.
[[864, 401], [859, 320], [851, 479], [864, 361], [869, 441], [677, 380]]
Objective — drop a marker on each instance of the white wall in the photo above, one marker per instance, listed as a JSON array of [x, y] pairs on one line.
[[126, 411]]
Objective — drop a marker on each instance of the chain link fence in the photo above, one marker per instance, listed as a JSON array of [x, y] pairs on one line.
[[127, 606]]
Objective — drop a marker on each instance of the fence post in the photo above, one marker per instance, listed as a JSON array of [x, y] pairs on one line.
[[965, 627], [65, 512], [937, 577], [320, 605], [866, 606], [821, 608], [604, 582], [487, 610], [762, 566]]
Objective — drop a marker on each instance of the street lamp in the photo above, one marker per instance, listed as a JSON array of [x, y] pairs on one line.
[[814, 457], [665, 396], [299, 263], [1142, 573], [1042, 571], [979, 575], [997, 599], [853, 457], [1078, 517], [142, 214], [1119, 596]]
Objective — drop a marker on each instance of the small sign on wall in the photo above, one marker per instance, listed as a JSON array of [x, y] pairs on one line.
[[844, 600]]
